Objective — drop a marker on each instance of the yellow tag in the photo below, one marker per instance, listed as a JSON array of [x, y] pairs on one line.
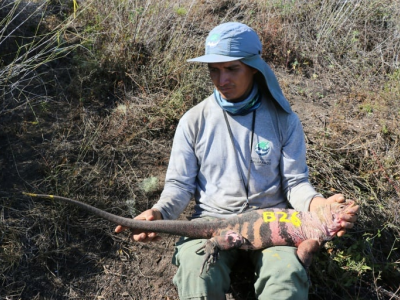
[[270, 216], [29, 194]]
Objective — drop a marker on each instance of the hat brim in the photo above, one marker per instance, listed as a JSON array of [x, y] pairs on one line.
[[214, 58]]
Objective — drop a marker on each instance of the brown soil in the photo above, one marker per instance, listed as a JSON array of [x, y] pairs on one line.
[[54, 251], [82, 258]]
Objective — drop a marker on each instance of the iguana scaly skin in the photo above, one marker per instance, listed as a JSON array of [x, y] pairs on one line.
[[254, 230]]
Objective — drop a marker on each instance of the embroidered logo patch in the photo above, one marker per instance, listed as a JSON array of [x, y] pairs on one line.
[[263, 148], [213, 40]]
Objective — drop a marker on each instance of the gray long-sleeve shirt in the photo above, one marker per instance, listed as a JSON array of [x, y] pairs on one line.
[[203, 162]]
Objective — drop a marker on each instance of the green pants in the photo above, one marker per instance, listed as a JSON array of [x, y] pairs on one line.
[[279, 274]]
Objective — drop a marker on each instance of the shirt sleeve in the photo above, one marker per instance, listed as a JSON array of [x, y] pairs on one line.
[[294, 170], [180, 181]]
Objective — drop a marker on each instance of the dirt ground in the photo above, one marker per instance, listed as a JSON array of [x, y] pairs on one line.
[[73, 143], [79, 256]]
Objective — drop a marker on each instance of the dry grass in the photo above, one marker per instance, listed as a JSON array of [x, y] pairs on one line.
[[97, 125]]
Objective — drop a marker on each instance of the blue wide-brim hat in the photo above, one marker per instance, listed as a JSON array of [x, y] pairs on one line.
[[236, 41]]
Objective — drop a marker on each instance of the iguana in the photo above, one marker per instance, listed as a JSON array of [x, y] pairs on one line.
[[253, 230]]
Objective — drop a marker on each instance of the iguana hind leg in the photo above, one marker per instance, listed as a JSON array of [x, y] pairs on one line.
[[226, 241], [211, 253]]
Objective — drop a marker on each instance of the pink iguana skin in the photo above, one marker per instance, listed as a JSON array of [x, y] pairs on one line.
[[254, 230], [250, 231]]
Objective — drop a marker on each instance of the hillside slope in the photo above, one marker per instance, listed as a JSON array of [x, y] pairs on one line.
[[89, 105]]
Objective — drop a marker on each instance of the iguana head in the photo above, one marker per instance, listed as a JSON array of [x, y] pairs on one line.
[[343, 208], [333, 214]]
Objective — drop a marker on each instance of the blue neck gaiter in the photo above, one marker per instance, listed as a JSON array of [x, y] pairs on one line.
[[244, 107]]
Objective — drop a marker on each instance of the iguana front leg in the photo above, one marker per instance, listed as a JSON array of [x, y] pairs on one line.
[[226, 241], [306, 251]]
